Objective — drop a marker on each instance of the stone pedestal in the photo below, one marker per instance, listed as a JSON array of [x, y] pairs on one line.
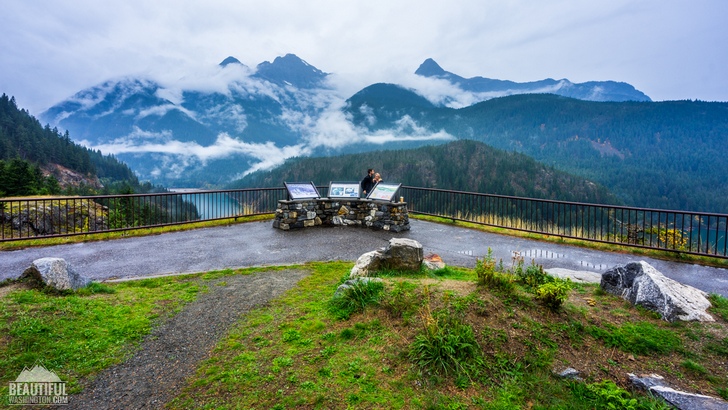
[[305, 213]]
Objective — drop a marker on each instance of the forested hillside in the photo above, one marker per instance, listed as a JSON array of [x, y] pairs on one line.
[[34, 158], [460, 165], [651, 154]]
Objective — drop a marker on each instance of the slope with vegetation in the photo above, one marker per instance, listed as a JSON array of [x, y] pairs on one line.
[[650, 154], [40, 160], [459, 165], [486, 338]]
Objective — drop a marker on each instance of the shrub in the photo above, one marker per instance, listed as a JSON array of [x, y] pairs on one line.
[[607, 395], [446, 346], [533, 276], [489, 276], [356, 298], [553, 294]]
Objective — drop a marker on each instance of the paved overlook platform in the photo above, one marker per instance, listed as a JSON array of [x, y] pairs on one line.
[[258, 243]]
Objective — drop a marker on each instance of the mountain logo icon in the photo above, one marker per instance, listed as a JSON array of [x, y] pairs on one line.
[[38, 374]]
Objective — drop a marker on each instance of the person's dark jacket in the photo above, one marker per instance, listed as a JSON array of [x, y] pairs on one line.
[[367, 184]]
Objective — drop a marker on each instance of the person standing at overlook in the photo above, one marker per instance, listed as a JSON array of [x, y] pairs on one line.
[[377, 178], [367, 183]]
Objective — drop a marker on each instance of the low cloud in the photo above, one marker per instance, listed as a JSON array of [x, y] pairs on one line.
[[161, 110], [334, 129], [182, 155]]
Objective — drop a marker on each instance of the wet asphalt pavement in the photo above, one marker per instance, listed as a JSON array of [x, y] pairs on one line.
[[258, 244]]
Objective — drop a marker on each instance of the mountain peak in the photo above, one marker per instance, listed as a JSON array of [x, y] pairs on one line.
[[230, 60], [290, 69], [429, 68], [589, 91]]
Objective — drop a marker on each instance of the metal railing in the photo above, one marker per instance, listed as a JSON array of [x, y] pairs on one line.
[[32, 218], [677, 231]]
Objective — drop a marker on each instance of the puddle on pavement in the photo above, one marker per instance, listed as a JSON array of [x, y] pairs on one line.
[[539, 253], [597, 266], [544, 254]]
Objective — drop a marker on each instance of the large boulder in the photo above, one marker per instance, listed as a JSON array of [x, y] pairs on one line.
[[56, 273], [642, 285], [400, 254], [368, 262], [655, 384], [403, 254]]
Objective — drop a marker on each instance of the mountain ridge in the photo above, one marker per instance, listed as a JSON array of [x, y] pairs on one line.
[[40, 160], [290, 69], [464, 165], [650, 154], [590, 91]]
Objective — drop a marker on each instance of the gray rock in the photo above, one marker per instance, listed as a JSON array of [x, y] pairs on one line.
[[642, 285], [404, 254], [400, 254], [580, 276], [654, 384], [570, 373], [688, 401], [368, 262], [56, 273], [646, 381]]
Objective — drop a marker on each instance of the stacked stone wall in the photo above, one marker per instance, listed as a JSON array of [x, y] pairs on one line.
[[378, 215]]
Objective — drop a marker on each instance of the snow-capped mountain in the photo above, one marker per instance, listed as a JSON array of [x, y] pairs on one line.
[[207, 129], [201, 130], [485, 88]]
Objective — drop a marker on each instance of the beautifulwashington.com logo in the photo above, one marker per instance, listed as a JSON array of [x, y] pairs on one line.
[[37, 386]]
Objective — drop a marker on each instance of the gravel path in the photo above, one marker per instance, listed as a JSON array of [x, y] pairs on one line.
[[172, 352]]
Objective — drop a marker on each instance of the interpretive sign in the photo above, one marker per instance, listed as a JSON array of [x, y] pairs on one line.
[[384, 192], [301, 190], [344, 190]]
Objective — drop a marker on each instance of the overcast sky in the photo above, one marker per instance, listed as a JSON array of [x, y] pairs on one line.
[[668, 49]]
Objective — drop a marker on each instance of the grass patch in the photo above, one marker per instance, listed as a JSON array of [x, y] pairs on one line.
[[419, 341], [640, 338], [720, 305], [427, 342], [76, 334], [446, 346], [354, 296]]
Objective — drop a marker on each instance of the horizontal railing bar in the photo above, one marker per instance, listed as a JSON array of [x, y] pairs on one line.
[[556, 201]]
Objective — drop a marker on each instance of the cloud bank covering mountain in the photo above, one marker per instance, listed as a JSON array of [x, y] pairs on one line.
[[210, 127]]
